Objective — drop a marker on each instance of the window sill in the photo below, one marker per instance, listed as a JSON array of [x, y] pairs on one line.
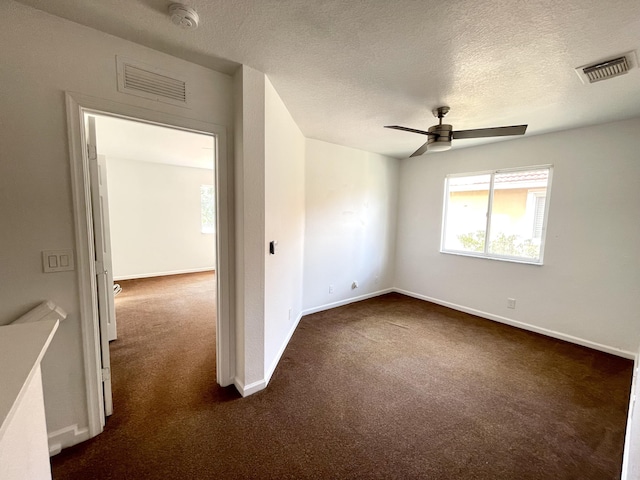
[[499, 259]]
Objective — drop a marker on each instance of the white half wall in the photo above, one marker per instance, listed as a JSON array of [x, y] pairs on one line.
[[284, 224], [155, 219], [589, 285], [44, 56], [351, 205]]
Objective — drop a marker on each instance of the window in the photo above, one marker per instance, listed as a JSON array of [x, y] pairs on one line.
[[207, 209], [499, 214]]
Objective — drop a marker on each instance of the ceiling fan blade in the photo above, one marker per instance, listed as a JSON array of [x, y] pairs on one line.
[[420, 151], [406, 129], [491, 132]]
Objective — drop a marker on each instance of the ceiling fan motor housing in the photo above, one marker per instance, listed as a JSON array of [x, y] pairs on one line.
[[441, 140]]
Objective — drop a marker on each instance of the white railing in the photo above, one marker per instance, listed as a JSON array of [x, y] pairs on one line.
[[47, 310]]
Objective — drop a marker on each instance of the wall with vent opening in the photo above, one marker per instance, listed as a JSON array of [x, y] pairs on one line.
[[46, 56]]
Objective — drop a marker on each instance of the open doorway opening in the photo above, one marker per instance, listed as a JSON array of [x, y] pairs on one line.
[[154, 218], [97, 373]]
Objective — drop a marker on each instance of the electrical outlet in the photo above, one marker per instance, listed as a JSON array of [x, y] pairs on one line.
[[511, 303], [289, 313], [330, 289], [354, 285]]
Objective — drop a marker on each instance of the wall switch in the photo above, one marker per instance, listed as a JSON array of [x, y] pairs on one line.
[[511, 303], [57, 261], [330, 289]]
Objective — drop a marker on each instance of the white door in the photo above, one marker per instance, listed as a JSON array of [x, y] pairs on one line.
[[104, 274]]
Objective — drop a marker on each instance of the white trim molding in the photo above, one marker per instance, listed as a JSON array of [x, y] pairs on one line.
[[246, 390], [163, 274], [84, 254], [524, 326], [346, 301], [66, 437], [274, 364]]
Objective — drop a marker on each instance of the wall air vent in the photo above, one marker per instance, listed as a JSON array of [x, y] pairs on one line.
[[605, 69], [145, 81]]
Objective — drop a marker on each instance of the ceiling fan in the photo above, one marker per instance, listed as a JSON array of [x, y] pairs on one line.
[[440, 135]]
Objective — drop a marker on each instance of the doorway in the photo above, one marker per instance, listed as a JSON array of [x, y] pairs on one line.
[[153, 203], [95, 342]]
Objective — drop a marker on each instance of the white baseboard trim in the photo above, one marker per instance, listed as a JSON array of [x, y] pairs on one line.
[[163, 274], [246, 390], [347, 301], [283, 347], [525, 326], [66, 437]]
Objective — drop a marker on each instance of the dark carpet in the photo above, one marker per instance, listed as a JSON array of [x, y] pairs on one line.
[[387, 388]]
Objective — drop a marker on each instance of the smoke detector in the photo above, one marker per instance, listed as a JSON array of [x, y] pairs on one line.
[[184, 16], [609, 68]]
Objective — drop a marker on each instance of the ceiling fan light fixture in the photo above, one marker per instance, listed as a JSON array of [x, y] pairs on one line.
[[439, 146], [440, 135], [441, 139]]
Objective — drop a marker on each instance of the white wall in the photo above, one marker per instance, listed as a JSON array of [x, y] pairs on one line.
[[155, 219], [269, 181], [44, 56], [589, 285], [284, 223], [351, 204]]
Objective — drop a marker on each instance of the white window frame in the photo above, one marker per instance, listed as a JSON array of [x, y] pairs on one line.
[[531, 197]]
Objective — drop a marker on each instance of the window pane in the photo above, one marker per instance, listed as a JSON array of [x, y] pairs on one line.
[[517, 213], [466, 214], [207, 209]]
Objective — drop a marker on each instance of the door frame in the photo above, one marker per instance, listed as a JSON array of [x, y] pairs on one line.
[[77, 104]]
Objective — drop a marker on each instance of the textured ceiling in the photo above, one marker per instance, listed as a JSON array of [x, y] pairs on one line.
[[346, 68]]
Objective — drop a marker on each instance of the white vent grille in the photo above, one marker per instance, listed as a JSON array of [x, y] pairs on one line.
[[606, 69], [148, 82], [159, 85]]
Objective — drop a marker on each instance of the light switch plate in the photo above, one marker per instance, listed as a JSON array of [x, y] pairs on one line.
[[57, 261]]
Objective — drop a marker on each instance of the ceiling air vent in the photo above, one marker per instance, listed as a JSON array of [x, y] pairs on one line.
[[606, 69], [142, 80]]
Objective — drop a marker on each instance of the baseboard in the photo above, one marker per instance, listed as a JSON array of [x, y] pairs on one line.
[[246, 390], [347, 301], [525, 326], [163, 274], [66, 437], [274, 364]]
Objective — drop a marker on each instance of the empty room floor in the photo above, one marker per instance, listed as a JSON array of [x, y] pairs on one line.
[[391, 387]]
